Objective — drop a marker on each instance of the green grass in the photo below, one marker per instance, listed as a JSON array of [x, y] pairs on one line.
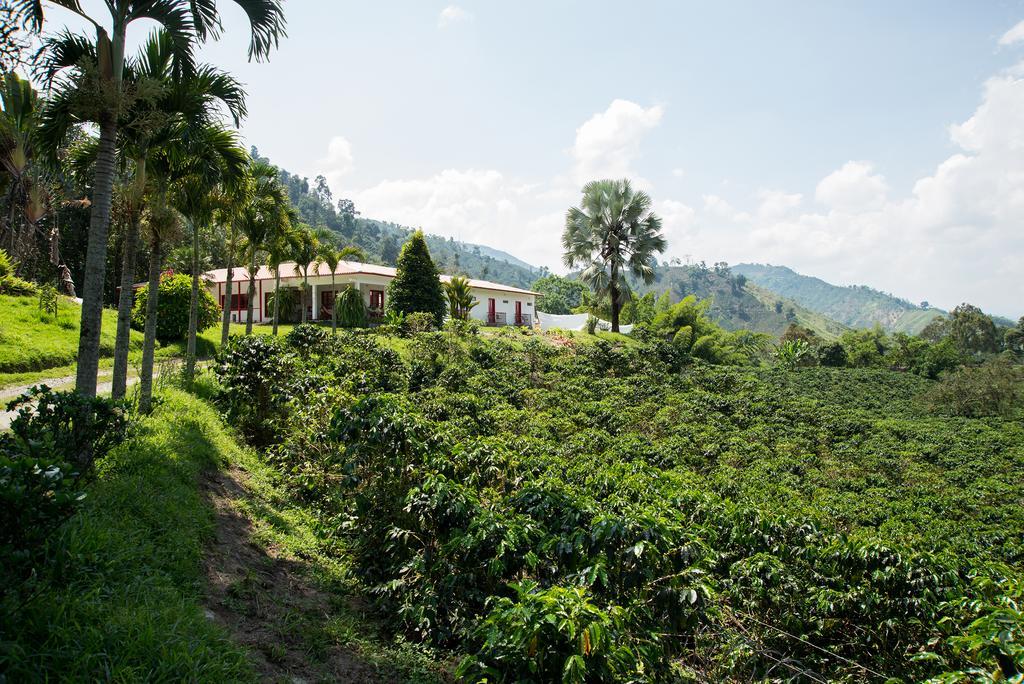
[[32, 341], [34, 347], [124, 604]]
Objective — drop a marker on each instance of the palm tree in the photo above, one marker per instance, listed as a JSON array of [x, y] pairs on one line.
[[188, 22], [279, 250], [186, 106], [265, 212], [613, 233], [330, 255], [460, 297], [304, 253], [163, 224], [218, 161]]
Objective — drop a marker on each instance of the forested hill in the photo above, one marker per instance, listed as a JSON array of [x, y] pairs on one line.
[[857, 306], [382, 240], [735, 302]]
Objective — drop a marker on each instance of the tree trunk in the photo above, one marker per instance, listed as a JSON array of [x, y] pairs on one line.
[[334, 307], [149, 339], [614, 291], [225, 324], [124, 309], [193, 310], [277, 296], [305, 286], [252, 293], [96, 261]]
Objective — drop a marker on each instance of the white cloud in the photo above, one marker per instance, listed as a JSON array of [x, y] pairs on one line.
[[452, 14], [472, 205], [955, 237], [338, 163], [1014, 35], [678, 173], [852, 187], [608, 142]]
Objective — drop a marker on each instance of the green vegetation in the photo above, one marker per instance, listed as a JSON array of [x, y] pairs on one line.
[[173, 308], [613, 235], [416, 287], [119, 598], [31, 340], [549, 509], [853, 306]]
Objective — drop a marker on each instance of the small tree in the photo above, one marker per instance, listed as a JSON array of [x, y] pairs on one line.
[[173, 308], [460, 297], [416, 287]]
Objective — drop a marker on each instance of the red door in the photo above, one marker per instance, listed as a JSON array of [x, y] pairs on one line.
[[519, 314], [491, 310]]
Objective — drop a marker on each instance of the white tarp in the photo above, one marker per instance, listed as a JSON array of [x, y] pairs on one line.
[[573, 322]]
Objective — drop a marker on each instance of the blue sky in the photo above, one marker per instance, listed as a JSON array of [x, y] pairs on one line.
[[862, 142]]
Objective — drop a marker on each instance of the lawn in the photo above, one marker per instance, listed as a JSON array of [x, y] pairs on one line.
[[34, 346], [31, 340]]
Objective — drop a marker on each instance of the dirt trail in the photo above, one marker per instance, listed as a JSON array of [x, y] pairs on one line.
[[268, 604]]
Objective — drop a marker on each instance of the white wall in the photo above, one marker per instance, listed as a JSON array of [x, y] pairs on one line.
[[505, 302]]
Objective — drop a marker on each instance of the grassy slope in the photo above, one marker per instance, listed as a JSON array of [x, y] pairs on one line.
[[30, 341], [858, 307], [35, 348], [126, 605], [735, 308]]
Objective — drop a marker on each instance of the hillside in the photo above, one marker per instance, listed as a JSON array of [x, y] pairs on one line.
[[737, 304], [382, 240], [856, 306]]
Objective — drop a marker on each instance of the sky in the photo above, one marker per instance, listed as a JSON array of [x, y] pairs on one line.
[[868, 142]]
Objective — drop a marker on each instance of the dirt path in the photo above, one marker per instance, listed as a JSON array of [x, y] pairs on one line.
[[268, 603], [103, 387]]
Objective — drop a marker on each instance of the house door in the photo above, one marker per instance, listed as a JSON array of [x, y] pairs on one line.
[[519, 314], [491, 309]]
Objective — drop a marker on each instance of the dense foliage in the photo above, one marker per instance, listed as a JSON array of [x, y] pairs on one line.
[[628, 513], [173, 305], [416, 287]]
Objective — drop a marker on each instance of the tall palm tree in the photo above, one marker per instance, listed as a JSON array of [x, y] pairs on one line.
[[305, 251], [330, 255], [264, 213], [163, 223], [279, 250], [218, 161], [613, 233], [460, 297], [188, 22], [185, 105]]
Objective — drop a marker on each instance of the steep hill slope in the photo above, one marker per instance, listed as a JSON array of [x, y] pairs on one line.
[[856, 306], [736, 303]]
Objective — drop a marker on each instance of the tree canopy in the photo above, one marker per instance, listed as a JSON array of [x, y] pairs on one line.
[[416, 287]]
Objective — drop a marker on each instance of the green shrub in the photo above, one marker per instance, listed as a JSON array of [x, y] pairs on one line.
[[306, 337], [557, 635], [419, 322], [833, 355], [173, 306], [995, 388], [51, 447], [255, 375], [10, 284], [351, 309]]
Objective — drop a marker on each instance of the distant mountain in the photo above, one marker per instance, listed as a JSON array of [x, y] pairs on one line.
[[856, 306], [382, 240], [736, 303]]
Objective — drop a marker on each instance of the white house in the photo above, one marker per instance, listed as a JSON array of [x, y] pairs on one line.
[[498, 304]]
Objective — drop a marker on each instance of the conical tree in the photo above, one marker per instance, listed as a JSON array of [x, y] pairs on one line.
[[416, 287], [612, 234]]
